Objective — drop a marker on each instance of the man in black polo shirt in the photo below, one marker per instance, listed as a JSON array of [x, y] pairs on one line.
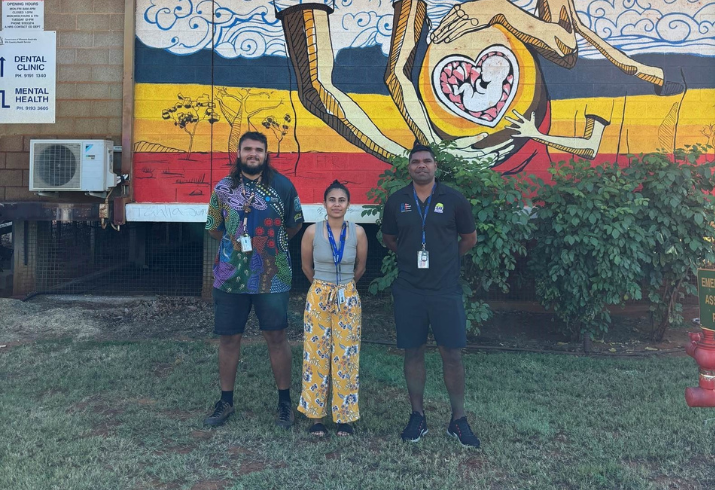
[[430, 226]]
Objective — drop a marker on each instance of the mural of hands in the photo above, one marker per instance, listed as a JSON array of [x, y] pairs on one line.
[[461, 20], [525, 127], [494, 154]]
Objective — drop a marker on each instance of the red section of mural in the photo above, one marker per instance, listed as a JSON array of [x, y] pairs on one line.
[[170, 177]]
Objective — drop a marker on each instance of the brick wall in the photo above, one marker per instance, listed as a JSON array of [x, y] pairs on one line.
[[89, 88]]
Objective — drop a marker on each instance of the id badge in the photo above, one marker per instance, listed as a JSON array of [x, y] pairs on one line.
[[423, 259], [341, 296], [246, 244]]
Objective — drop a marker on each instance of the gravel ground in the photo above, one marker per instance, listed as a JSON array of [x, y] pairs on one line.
[[190, 318], [138, 318]]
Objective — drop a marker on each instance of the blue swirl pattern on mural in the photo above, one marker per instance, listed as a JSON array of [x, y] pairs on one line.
[[249, 28], [245, 29], [650, 26]]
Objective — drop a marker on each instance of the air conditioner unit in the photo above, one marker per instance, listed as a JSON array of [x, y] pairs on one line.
[[71, 165]]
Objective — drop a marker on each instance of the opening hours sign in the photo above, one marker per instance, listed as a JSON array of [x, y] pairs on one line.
[[23, 15]]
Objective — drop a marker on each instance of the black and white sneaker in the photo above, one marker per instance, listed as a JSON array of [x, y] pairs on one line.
[[222, 411], [416, 428], [285, 416], [460, 429]]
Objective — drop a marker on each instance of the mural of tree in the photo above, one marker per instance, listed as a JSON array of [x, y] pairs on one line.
[[188, 113], [279, 128], [234, 110]]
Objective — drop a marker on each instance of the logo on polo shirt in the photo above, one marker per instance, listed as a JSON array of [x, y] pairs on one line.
[[439, 208], [405, 208]]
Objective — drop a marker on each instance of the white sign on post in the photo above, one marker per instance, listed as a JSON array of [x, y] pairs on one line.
[[23, 15], [27, 77]]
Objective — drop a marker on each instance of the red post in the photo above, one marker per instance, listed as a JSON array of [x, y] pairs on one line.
[[702, 349]]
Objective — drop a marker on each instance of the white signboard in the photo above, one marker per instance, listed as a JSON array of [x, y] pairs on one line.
[[27, 77], [23, 15], [196, 213]]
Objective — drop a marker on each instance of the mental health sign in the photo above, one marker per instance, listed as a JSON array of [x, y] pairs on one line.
[[27, 77]]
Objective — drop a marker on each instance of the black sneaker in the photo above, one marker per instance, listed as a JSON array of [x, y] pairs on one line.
[[285, 416], [416, 428], [460, 429], [222, 411]]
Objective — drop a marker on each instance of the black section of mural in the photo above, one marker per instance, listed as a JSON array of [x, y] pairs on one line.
[[357, 70], [600, 78], [361, 70]]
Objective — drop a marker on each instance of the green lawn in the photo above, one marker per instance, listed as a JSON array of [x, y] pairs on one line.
[[119, 415]]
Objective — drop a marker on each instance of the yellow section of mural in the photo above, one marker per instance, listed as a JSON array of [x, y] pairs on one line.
[[257, 105], [641, 123], [639, 128]]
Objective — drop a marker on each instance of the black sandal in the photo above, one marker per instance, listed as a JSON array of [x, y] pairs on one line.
[[318, 430], [345, 430]]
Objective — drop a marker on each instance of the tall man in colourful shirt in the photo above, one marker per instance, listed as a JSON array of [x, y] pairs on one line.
[[253, 213]]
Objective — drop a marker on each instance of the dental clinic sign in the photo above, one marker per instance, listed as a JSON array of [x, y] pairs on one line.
[[27, 76]]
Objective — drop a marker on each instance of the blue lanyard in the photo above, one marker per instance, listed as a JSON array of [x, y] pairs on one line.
[[337, 253], [419, 210]]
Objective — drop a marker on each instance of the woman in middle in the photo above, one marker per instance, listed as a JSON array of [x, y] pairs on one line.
[[333, 253]]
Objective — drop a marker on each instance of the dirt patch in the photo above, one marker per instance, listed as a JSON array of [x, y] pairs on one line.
[[236, 451], [472, 465], [96, 405], [180, 414], [561, 438], [525, 325], [22, 322], [518, 326], [202, 435], [163, 370], [252, 467], [104, 429], [663, 481], [145, 401], [7, 347]]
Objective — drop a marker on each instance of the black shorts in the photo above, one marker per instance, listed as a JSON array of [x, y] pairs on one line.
[[231, 311], [416, 311]]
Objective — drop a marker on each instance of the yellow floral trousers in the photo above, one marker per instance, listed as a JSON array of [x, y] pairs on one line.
[[331, 352]]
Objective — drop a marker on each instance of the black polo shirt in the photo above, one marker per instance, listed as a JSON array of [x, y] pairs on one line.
[[449, 216]]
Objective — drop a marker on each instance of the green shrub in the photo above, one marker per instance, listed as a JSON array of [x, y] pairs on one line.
[[679, 219], [589, 244], [503, 226]]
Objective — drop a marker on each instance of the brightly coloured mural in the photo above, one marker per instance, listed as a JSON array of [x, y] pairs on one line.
[[340, 87]]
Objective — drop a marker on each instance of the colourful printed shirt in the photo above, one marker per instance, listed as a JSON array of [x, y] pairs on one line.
[[274, 208]]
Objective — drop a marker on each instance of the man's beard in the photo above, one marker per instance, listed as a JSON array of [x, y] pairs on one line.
[[248, 170]]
